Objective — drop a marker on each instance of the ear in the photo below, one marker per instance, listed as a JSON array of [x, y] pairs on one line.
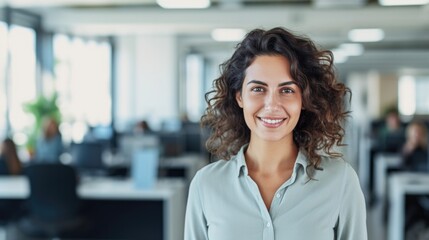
[[239, 99]]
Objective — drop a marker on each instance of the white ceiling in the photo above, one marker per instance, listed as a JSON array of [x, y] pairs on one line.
[[326, 21]]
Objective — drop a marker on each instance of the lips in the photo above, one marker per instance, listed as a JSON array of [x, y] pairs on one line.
[[272, 122]]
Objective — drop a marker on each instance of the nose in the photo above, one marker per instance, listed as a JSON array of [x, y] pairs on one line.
[[272, 101]]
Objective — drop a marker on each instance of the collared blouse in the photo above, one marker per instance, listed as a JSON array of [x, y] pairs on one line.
[[224, 203]]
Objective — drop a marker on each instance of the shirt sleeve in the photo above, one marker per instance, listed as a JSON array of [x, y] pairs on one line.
[[195, 221], [351, 223]]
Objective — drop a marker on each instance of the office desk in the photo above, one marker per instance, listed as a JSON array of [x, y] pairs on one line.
[[185, 166], [119, 210], [383, 162], [401, 184]]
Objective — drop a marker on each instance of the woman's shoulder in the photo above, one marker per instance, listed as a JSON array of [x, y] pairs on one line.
[[337, 167], [219, 167], [217, 170]]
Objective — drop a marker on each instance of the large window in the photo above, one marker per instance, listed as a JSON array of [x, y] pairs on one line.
[[194, 86], [22, 78], [413, 97], [19, 74], [82, 79]]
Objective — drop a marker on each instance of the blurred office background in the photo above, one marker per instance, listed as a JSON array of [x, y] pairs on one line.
[[125, 81]]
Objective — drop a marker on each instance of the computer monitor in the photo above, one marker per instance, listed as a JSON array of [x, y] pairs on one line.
[[128, 144], [87, 157]]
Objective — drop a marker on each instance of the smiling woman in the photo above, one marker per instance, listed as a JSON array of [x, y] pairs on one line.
[[275, 113]]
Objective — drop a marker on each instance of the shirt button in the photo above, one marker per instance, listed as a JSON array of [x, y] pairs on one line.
[[278, 195], [268, 224]]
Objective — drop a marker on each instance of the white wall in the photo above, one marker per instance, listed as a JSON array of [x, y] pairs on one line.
[[147, 79]]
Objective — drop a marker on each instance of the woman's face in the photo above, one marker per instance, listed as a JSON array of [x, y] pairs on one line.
[[415, 134], [270, 98]]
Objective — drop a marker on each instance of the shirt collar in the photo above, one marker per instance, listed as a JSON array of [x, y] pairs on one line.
[[301, 160], [241, 161]]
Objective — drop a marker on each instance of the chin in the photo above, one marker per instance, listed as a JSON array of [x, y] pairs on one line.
[[273, 138]]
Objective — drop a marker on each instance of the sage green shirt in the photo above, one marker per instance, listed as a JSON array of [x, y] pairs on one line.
[[224, 203]]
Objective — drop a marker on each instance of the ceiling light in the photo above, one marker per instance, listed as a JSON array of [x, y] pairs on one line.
[[339, 56], [366, 35], [183, 3], [402, 2], [345, 50], [228, 34], [352, 49]]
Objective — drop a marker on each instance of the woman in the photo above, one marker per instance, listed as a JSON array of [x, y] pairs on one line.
[[9, 160], [415, 153], [276, 113]]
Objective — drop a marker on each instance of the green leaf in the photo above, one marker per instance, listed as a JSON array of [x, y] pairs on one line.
[[40, 108]]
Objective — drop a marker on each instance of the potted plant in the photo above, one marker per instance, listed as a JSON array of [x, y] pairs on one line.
[[40, 108]]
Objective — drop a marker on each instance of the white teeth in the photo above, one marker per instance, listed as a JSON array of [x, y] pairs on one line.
[[271, 121]]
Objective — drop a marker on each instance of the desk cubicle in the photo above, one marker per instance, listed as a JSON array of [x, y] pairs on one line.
[[400, 185], [184, 165], [383, 163], [117, 210]]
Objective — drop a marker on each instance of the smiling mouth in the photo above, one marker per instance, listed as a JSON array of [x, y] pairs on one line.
[[272, 121]]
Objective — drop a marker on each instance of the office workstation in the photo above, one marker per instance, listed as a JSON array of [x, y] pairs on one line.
[[138, 188], [118, 208], [401, 186], [122, 77], [148, 194]]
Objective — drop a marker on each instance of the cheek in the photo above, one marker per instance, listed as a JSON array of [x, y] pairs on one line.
[[296, 106], [250, 103]]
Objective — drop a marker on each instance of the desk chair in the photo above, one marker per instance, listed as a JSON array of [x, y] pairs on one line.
[[54, 209]]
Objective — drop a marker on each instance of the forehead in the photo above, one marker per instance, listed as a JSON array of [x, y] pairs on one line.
[[268, 67]]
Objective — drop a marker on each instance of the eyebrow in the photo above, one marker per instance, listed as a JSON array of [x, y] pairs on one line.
[[265, 84]]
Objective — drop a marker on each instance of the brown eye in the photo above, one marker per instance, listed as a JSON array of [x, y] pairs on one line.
[[257, 89], [287, 90]]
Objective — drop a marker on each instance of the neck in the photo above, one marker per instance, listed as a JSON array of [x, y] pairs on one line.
[[271, 157]]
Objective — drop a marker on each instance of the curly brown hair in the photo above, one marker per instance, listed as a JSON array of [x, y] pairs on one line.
[[320, 123]]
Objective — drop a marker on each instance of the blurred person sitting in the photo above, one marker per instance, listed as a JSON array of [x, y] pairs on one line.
[[415, 159], [9, 165], [142, 127], [391, 137], [415, 150], [49, 145], [9, 160]]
